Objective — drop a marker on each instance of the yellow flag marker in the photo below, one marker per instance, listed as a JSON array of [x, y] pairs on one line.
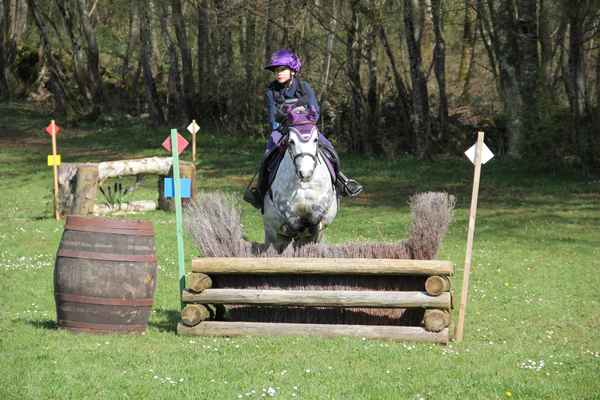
[[53, 160]]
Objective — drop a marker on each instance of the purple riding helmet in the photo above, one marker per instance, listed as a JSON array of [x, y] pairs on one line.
[[284, 58]]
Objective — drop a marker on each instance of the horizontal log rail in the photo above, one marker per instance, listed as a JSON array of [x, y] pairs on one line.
[[400, 333], [319, 298], [338, 266]]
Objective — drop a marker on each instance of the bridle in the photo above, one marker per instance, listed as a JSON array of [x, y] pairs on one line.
[[294, 157]]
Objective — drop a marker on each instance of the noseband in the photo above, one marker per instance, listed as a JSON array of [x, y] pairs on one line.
[[314, 158]]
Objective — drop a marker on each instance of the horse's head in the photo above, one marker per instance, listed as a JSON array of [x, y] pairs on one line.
[[302, 146]]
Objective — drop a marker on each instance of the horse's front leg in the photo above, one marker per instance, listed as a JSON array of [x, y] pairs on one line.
[[274, 238], [317, 232], [313, 234]]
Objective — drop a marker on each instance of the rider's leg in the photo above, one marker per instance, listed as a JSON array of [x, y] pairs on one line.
[[255, 195], [273, 141], [346, 186]]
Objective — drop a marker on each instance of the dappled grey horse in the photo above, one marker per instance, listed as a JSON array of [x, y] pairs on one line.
[[302, 200]]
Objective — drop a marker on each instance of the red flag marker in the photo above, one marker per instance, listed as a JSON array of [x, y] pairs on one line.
[[181, 143], [52, 128]]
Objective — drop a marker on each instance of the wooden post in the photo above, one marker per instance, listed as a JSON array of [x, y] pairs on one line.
[[86, 187], [471, 233], [178, 217], [194, 148], [55, 170]]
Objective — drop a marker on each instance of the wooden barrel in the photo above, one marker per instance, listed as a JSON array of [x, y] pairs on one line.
[[105, 275]]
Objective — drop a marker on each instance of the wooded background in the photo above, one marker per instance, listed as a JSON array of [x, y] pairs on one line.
[[393, 77]]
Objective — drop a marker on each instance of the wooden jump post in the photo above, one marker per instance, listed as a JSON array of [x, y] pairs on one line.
[[193, 128], [54, 161], [479, 154], [201, 313]]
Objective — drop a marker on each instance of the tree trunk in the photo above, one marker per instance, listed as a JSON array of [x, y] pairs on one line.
[[268, 31], [186, 59], [250, 49], [222, 48], [55, 84], [420, 109], [529, 61], [576, 79], [488, 38], [597, 82], [371, 130], [329, 51], [576, 62], [439, 59], [469, 41], [173, 83], [399, 82], [70, 21], [545, 33], [19, 20], [249, 63], [503, 33], [4, 23], [203, 49], [129, 49], [93, 57], [424, 25], [354, 50], [467, 35], [156, 112]]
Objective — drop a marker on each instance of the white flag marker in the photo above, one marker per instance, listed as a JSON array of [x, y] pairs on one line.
[[193, 128], [486, 153]]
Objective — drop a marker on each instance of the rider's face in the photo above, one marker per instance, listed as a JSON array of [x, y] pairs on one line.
[[283, 74]]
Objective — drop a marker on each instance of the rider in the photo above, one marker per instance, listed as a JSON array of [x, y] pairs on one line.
[[287, 89]]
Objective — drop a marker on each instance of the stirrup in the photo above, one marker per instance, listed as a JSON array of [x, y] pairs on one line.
[[348, 186], [352, 188]]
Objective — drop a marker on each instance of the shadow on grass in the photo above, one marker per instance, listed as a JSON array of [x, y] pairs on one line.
[[165, 320], [42, 324]]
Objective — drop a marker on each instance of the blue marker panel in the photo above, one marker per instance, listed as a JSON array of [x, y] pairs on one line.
[[186, 188]]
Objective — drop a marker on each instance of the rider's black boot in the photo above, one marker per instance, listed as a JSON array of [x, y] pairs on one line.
[[347, 186], [253, 194]]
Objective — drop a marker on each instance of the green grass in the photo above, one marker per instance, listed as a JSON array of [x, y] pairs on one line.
[[532, 321]]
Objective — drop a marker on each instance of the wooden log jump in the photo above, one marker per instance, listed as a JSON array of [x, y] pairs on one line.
[[319, 298], [337, 266], [435, 285], [78, 183], [400, 333], [204, 289]]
